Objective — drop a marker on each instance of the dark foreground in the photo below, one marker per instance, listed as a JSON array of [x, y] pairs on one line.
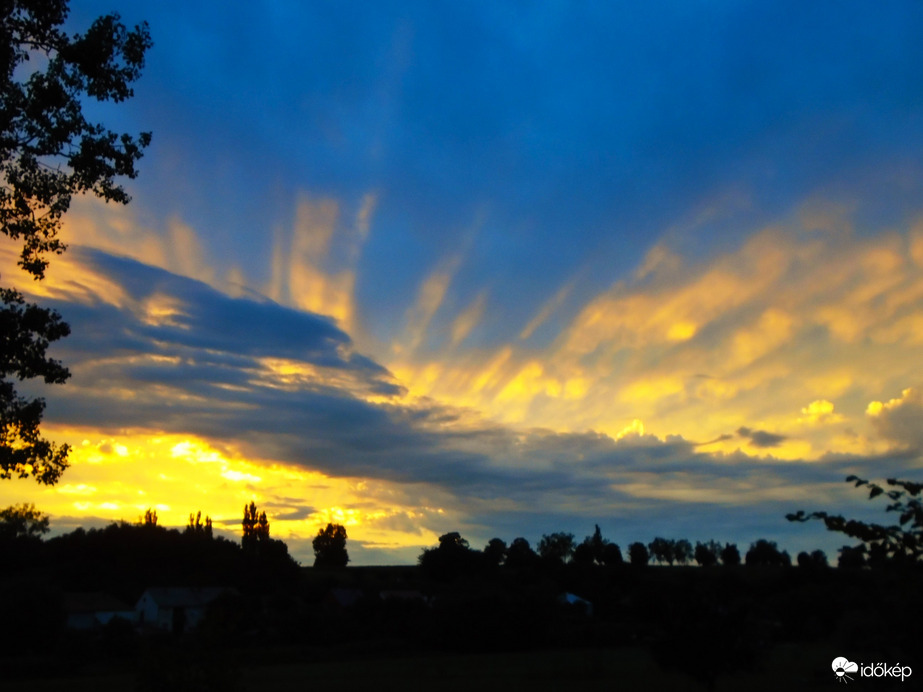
[[630, 668], [652, 628]]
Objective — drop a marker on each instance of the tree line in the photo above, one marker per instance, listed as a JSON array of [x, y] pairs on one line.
[[454, 555]]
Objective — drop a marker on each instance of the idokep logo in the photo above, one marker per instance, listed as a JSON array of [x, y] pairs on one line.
[[843, 667]]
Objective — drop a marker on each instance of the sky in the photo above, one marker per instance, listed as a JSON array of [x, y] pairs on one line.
[[500, 268]]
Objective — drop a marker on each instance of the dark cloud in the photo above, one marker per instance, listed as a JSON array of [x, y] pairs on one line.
[[761, 438], [900, 421]]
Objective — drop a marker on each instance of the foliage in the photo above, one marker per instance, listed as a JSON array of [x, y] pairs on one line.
[[556, 547], [450, 559], [330, 547], [706, 554], [149, 518], [22, 521], [765, 553], [49, 152], [900, 543], [852, 557], [520, 554], [662, 550], [25, 333], [197, 528], [682, 551], [597, 550], [494, 552], [730, 555], [814, 560], [638, 554], [255, 528]]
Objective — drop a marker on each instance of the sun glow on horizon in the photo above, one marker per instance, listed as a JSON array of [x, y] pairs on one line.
[[117, 476]]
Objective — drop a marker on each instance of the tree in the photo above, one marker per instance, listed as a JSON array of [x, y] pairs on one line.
[[638, 555], [900, 543], [330, 547], [765, 553], [520, 554], [814, 560], [596, 544], [556, 547], [22, 521], [597, 550], [494, 552], [451, 558], [851, 557], [255, 528], [149, 518], [197, 528], [262, 528], [662, 550], [682, 551], [730, 555], [612, 555], [706, 554], [50, 152]]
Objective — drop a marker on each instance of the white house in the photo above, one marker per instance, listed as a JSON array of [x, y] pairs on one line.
[[175, 609]]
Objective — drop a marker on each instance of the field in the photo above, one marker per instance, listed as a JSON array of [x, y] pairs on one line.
[[585, 669]]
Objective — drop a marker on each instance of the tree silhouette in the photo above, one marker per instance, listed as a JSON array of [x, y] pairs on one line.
[[900, 543], [730, 555], [262, 528], [197, 528], [706, 554], [597, 550], [765, 553], [330, 547], [520, 555], [556, 547], [662, 550], [851, 557], [149, 518], [451, 558], [813, 560], [682, 551], [255, 527], [494, 552], [638, 555], [22, 521], [49, 152]]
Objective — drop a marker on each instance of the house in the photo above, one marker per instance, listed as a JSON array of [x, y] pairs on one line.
[[92, 610], [577, 602], [175, 609]]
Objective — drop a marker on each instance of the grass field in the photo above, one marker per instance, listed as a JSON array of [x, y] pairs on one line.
[[586, 669]]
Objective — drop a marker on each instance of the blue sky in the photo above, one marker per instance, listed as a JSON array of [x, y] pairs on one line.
[[501, 268]]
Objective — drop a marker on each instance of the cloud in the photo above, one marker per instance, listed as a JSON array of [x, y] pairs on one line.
[[900, 420], [820, 412], [547, 310], [429, 299], [761, 438], [468, 319], [699, 346]]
